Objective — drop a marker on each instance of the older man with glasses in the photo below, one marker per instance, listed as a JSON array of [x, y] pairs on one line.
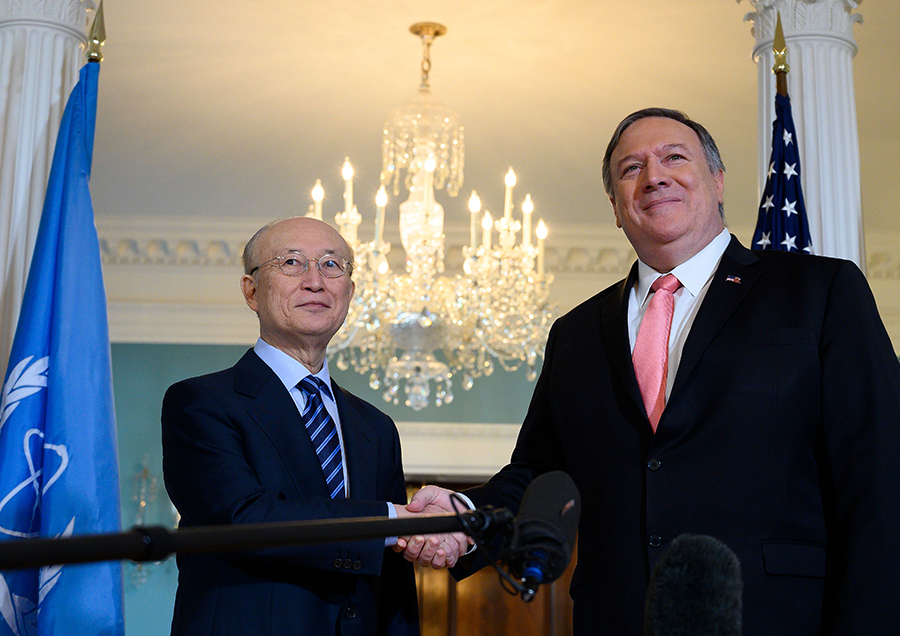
[[275, 439]]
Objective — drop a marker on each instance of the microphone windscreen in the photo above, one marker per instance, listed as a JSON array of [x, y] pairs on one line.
[[548, 520], [695, 588]]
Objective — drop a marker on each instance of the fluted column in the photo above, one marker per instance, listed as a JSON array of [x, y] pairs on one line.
[[41, 50], [819, 36]]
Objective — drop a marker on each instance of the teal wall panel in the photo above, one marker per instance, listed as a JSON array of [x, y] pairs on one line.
[[141, 374]]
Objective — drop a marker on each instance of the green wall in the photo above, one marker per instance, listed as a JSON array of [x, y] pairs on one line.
[[141, 374]]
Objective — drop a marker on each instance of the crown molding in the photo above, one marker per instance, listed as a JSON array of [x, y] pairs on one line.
[[176, 280]]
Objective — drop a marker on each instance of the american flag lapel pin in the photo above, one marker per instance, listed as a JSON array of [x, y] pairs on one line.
[[733, 279]]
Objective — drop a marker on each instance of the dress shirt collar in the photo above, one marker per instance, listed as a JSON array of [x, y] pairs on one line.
[[289, 370], [693, 273]]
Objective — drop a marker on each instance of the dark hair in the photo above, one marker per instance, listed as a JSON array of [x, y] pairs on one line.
[[710, 150]]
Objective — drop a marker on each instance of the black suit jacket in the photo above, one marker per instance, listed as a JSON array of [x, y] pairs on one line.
[[235, 451], [781, 438]]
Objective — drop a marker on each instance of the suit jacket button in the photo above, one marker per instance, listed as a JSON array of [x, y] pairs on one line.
[[347, 564], [655, 541], [350, 613], [338, 564], [654, 464], [357, 565]]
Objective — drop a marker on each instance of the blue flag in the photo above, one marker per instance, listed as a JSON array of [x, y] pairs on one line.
[[782, 223], [58, 467]]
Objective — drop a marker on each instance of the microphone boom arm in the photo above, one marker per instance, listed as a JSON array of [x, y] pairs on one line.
[[155, 543]]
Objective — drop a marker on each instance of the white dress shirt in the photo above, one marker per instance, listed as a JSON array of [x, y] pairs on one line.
[[290, 371], [695, 275]]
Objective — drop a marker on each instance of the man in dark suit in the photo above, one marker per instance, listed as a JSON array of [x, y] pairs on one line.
[[775, 428], [274, 439]]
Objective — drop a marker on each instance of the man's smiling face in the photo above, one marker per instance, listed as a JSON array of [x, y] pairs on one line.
[[302, 311], [664, 195]]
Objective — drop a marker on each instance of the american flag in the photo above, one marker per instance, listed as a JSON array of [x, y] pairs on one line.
[[782, 223]]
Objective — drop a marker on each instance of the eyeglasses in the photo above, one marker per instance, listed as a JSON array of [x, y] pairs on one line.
[[295, 264]]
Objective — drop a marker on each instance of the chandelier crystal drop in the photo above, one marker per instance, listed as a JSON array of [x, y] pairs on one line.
[[411, 332]]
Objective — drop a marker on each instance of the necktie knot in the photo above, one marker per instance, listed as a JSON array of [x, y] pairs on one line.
[[667, 283], [312, 385]]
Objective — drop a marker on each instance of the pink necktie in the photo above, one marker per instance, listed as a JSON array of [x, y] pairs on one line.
[[651, 347]]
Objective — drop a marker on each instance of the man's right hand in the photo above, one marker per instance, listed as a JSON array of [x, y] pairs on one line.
[[439, 550]]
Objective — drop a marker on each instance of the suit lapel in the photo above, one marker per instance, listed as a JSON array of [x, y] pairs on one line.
[[731, 281], [360, 451], [722, 298], [614, 328], [275, 413]]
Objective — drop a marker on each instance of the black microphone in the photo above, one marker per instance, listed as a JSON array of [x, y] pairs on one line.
[[695, 588], [544, 531]]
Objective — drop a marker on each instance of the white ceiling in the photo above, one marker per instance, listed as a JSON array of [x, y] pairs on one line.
[[233, 108]]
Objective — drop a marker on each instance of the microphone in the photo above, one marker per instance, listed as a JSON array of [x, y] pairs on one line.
[[544, 531], [695, 588]]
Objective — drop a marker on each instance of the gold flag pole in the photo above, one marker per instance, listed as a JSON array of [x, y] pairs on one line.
[[781, 67], [98, 36]]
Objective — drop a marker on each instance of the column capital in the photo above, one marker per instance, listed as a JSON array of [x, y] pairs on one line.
[[821, 47], [835, 17], [72, 15]]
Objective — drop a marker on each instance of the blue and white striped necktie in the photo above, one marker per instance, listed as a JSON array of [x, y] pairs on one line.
[[323, 433]]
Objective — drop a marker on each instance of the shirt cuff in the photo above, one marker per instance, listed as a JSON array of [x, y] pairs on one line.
[[467, 500], [471, 506], [390, 542]]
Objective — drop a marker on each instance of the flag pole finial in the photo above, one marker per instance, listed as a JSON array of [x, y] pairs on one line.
[[97, 36], [781, 68]]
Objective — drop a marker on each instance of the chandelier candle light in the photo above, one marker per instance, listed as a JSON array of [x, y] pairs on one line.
[[409, 330]]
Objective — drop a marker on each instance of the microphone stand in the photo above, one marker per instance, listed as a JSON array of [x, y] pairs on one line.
[[154, 543]]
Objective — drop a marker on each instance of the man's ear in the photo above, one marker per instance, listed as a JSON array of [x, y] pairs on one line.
[[249, 289], [612, 202], [719, 178]]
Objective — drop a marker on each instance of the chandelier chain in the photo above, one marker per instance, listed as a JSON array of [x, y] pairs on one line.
[[426, 60]]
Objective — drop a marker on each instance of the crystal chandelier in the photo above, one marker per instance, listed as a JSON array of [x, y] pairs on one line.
[[413, 330]]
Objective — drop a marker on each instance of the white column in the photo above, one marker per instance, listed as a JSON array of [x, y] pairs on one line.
[[42, 44], [819, 36]]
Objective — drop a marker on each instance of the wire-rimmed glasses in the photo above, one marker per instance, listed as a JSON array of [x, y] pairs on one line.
[[296, 264]]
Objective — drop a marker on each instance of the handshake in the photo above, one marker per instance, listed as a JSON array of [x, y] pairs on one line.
[[438, 550]]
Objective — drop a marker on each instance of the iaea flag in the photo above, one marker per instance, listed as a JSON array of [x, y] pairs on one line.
[[58, 465]]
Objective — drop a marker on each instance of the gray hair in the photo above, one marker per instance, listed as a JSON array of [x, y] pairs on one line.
[[251, 249], [710, 150], [251, 254]]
